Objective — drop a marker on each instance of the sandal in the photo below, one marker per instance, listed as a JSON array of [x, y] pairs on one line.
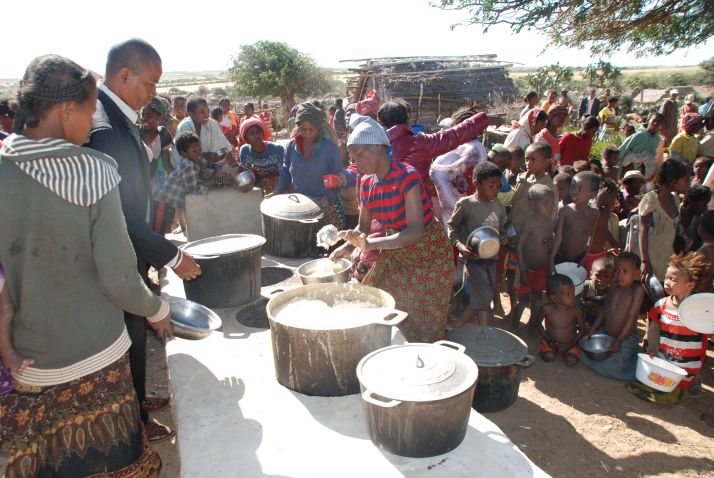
[[153, 404], [157, 432]]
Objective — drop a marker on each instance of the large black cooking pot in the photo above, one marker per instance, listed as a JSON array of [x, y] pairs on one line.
[[500, 356], [231, 270], [318, 355], [417, 397], [290, 225]]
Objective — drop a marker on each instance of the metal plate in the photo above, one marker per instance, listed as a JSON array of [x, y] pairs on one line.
[[225, 244], [417, 372], [489, 346], [291, 206], [696, 312]]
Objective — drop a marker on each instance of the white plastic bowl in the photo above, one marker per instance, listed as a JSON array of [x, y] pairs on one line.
[[576, 273], [658, 373]]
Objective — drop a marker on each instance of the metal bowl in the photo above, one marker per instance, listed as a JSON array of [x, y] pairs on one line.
[[597, 347], [484, 241], [653, 288], [245, 181], [341, 273], [192, 320]]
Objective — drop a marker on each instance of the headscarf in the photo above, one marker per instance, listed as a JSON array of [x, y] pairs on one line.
[[691, 119], [370, 104], [528, 121], [312, 114], [367, 131], [247, 124], [557, 109], [689, 98]]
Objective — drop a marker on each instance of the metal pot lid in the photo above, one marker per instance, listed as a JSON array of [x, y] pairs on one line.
[[226, 244], [417, 372], [291, 206], [490, 346]]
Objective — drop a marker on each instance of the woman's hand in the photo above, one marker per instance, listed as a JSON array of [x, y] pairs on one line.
[[356, 238], [344, 251]]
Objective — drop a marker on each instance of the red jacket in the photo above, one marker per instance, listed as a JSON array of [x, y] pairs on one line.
[[419, 150]]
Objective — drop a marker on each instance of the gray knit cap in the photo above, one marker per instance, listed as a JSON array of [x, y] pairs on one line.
[[367, 131]]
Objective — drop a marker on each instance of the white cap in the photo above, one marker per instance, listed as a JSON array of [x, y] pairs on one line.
[[368, 131], [674, 91]]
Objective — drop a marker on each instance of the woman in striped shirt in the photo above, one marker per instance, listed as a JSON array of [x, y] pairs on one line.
[[415, 264]]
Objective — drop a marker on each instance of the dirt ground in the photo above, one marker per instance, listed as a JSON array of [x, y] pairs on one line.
[[568, 421]]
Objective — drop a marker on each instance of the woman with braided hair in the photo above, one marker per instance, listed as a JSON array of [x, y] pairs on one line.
[[312, 164], [71, 271]]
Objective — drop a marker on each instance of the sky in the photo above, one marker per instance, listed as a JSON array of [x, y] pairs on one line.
[[203, 35]]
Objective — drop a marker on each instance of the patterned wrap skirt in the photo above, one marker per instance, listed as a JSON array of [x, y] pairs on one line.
[[86, 427], [419, 278]]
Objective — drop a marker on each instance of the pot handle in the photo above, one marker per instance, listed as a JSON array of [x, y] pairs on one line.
[[451, 345], [293, 198], [369, 397], [526, 362], [308, 221], [394, 317]]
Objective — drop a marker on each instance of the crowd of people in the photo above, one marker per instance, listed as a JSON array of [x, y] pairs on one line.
[[94, 173]]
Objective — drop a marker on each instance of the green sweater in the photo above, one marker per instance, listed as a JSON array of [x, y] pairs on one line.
[[69, 263]]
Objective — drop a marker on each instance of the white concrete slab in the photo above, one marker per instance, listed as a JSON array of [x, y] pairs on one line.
[[223, 211], [234, 419]]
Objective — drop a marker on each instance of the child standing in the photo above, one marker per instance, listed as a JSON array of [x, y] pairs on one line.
[[184, 178], [595, 289], [532, 251], [562, 182], [629, 197], [576, 146], [537, 157], [563, 322], [618, 318], [606, 226], [611, 160], [472, 212], [701, 168], [576, 222], [667, 337], [659, 212]]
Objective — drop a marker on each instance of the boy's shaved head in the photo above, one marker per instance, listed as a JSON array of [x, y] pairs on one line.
[[540, 148], [589, 177]]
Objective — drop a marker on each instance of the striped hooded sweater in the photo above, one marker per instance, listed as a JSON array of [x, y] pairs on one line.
[[68, 260]]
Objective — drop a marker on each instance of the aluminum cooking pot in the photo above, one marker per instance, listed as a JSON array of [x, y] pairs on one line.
[[318, 355], [290, 225], [245, 181], [500, 356], [417, 397]]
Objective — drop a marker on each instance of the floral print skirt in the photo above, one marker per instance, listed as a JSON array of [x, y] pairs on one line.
[[86, 427], [419, 278]]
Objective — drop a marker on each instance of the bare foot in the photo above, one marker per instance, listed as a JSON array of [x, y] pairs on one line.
[[571, 360], [547, 356]]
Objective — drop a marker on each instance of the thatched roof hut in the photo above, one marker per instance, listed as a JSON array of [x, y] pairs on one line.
[[435, 86]]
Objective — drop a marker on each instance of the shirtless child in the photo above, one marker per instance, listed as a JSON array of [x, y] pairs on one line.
[[532, 250], [618, 319], [576, 221], [603, 233], [563, 322]]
